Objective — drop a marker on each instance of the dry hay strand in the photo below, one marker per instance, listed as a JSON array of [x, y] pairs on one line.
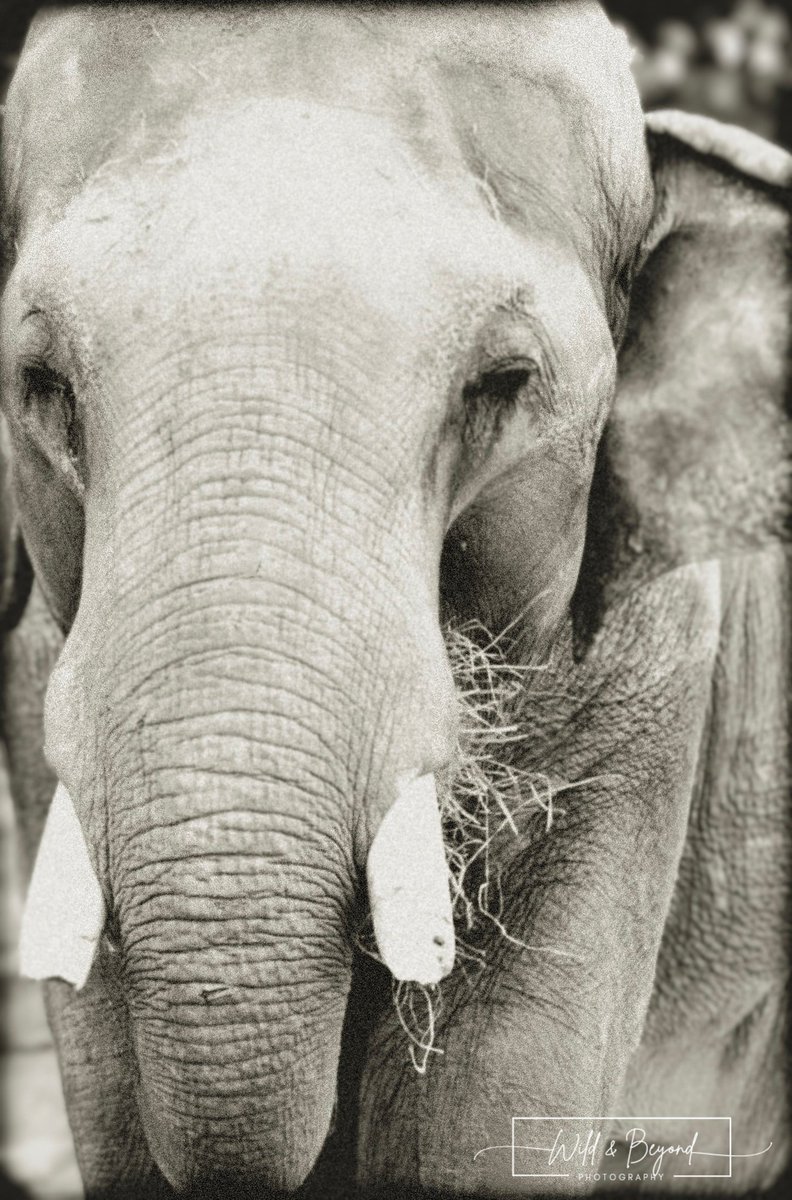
[[483, 796]]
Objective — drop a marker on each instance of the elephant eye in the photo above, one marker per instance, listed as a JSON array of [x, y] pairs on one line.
[[50, 416], [491, 399]]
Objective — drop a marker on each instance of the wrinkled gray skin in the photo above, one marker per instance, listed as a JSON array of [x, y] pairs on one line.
[[338, 296]]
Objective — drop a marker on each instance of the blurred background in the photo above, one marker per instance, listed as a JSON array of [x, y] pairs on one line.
[[731, 60]]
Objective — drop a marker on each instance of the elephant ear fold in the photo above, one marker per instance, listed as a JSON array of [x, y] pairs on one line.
[[695, 460], [16, 573]]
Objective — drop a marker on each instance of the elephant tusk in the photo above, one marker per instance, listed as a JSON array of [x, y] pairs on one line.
[[64, 912], [408, 887]]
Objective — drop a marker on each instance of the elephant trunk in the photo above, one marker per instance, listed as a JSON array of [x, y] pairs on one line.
[[233, 887], [247, 700], [235, 915]]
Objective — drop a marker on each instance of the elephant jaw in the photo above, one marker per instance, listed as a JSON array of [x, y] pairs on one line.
[[409, 888], [64, 913]]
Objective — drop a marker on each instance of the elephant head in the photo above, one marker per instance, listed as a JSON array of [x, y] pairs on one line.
[[310, 337]]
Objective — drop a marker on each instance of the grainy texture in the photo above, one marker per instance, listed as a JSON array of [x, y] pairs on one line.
[[324, 330]]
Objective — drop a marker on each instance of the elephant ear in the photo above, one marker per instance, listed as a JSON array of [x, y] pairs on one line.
[[695, 460], [16, 574]]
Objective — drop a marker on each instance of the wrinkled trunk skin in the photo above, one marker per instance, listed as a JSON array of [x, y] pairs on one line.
[[231, 905], [234, 724], [233, 916]]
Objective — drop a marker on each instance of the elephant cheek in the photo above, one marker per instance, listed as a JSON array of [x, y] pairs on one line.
[[512, 558]]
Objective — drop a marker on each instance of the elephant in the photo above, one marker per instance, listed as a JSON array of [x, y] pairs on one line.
[[332, 334]]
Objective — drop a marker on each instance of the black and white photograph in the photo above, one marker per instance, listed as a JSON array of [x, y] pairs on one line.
[[395, 600]]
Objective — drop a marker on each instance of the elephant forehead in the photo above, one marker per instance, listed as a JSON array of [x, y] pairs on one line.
[[282, 188], [538, 95]]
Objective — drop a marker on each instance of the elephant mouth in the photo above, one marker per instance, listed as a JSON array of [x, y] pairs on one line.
[[489, 805]]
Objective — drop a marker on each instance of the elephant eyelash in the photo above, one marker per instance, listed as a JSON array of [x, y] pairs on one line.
[[491, 399], [44, 388]]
